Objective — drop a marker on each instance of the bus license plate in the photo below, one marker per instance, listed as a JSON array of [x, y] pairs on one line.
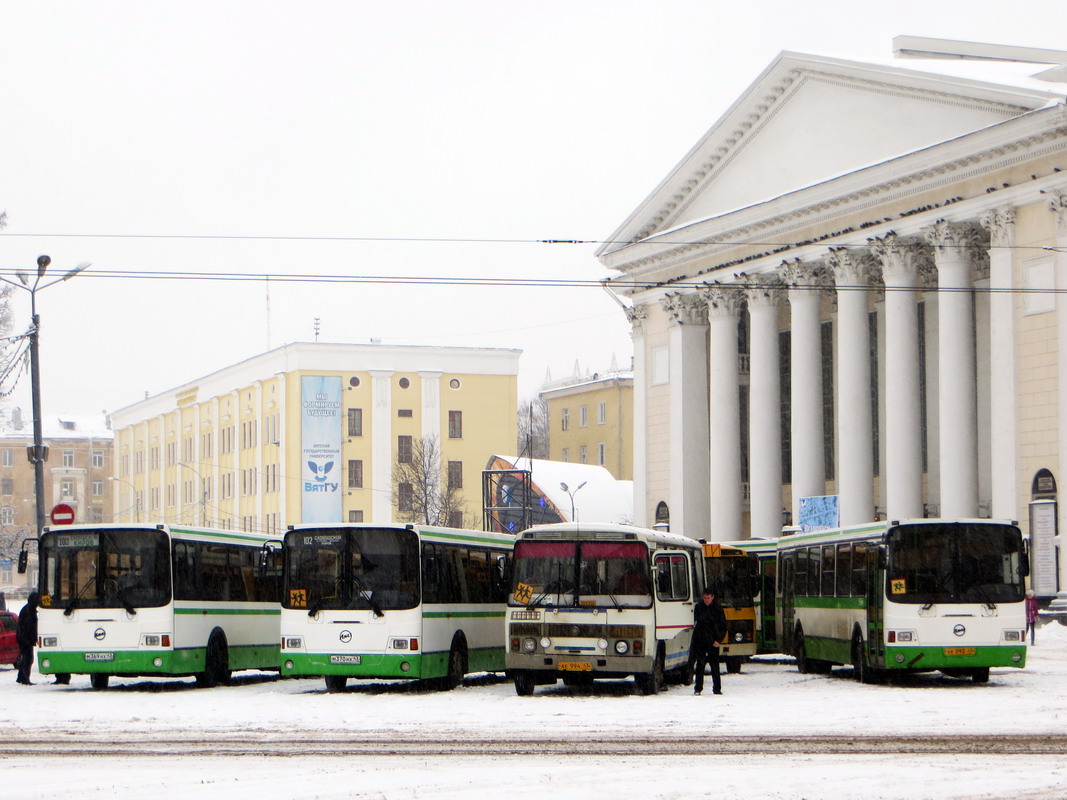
[[99, 656], [959, 651], [345, 659], [575, 666]]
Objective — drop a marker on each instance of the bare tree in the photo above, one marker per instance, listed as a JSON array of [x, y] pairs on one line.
[[533, 428], [422, 492]]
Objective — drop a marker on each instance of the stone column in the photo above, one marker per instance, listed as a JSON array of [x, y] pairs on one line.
[[689, 458], [724, 309], [900, 266], [1003, 437], [805, 371], [1057, 204], [855, 451], [764, 403], [637, 316], [957, 401]]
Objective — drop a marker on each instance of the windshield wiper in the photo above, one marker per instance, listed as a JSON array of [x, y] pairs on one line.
[[78, 595], [552, 586], [368, 596]]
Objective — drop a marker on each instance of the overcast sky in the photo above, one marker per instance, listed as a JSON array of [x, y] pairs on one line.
[[282, 138]]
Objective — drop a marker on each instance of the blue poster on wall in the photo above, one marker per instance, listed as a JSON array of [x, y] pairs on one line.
[[320, 444], [818, 513]]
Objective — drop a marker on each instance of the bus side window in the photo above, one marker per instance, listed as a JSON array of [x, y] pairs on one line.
[[843, 570], [859, 569], [501, 578], [431, 575], [827, 570], [185, 573], [478, 576], [672, 577]]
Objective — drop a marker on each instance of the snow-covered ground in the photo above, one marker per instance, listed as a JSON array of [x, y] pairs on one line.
[[767, 699]]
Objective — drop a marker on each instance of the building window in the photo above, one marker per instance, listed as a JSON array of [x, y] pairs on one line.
[[355, 422], [404, 413], [206, 441], [601, 413], [583, 455], [7, 515], [403, 450], [601, 453], [355, 474], [455, 519], [404, 383], [455, 424], [355, 516], [68, 458], [583, 416], [455, 474], [565, 419], [565, 455], [67, 488], [9, 458], [7, 486], [98, 459], [98, 488], [172, 453], [404, 497]]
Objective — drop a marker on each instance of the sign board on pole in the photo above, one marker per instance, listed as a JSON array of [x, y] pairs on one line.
[[62, 514]]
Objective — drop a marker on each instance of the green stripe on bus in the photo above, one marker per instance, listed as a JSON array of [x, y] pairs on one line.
[[430, 535], [221, 535], [453, 614]]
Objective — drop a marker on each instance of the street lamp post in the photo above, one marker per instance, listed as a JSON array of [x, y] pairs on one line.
[[203, 492], [136, 498], [571, 494], [38, 453]]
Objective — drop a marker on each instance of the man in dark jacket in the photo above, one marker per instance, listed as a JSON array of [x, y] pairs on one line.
[[26, 636], [709, 629]]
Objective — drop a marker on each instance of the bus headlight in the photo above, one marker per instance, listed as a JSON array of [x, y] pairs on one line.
[[621, 648], [602, 644], [545, 642], [529, 645], [157, 662], [1012, 636], [46, 663], [292, 642], [739, 637], [49, 641], [289, 665]]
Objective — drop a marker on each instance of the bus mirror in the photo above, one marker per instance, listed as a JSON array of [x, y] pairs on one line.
[[883, 560], [1024, 565], [24, 559]]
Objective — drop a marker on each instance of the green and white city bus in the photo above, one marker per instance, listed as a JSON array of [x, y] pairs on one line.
[[393, 601], [914, 595], [155, 600], [595, 600]]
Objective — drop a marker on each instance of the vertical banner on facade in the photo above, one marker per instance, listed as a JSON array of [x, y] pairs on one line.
[[819, 513], [1043, 548], [320, 443]]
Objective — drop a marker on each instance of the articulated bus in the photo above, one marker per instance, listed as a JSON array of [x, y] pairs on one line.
[[915, 595], [734, 575], [393, 601], [155, 600], [602, 601]]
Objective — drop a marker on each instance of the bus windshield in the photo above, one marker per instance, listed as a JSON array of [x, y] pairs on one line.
[[105, 569], [351, 568], [582, 574], [955, 563], [735, 579]]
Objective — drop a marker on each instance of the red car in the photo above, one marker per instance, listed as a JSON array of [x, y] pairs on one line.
[[9, 648]]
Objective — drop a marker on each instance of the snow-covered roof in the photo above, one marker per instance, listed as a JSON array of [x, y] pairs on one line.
[[597, 495], [18, 423]]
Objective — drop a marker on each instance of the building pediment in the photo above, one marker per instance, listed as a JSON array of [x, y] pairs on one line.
[[808, 119]]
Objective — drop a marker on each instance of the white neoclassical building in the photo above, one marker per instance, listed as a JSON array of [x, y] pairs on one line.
[[853, 286]]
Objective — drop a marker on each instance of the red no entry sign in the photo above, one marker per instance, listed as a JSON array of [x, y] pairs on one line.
[[62, 514]]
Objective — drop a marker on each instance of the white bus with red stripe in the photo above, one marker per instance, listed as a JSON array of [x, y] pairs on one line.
[[595, 600]]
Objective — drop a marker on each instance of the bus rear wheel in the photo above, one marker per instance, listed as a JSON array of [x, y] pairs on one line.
[[733, 664], [457, 665], [800, 653], [98, 680], [980, 675], [861, 669], [336, 683], [216, 663]]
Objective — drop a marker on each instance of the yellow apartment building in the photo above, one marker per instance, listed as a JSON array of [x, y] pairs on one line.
[[311, 432], [590, 421]]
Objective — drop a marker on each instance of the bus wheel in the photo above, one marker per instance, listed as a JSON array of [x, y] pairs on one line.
[[733, 664], [457, 665], [980, 675], [98, 680], [861, 669], [524, 683], [216, 663], [336, 683], [801, 653], [652, 682]]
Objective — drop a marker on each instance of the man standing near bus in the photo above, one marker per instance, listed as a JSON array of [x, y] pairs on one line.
[[26, 636], [709, 629]]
